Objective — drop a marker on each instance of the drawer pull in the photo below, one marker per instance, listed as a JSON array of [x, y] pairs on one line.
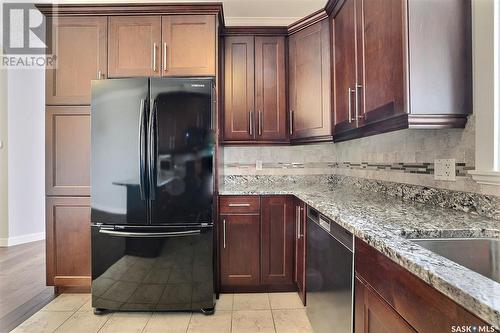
[[239, 205]]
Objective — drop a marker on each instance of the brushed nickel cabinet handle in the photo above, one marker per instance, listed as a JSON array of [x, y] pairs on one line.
[[291, 122], [250, 122], [99, 74], [297, 221], [239, 205], [260, 122], [164, 56], [300, 219], [357, 88], [349, 104], [224, 232], [154, 57]]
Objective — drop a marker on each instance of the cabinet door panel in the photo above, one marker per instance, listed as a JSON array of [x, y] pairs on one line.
[[345, 66], [277, 240], [81, 49], [189, 42], [270, 88], [374, 315], [310, 68], [67, 134], [383, 58], [300, 249], [239, 250], [68, 241], [239, 117], [134, 41]]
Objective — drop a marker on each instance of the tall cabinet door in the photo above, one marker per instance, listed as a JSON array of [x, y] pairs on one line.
[[300, 248], [188, 45], [383, 58], [277, 240], [270, 100], [81, 49], [309, 70], [239, 115], [344, 25], [134, 46], [239, 250], [67, 160]]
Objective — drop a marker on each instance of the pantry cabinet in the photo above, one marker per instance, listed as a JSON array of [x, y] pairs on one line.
[[255, 89], [309, 83], [80, 47], [300, 248], [256, 243], [398, 64]]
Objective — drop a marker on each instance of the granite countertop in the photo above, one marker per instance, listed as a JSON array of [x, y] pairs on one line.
[[386, 222]]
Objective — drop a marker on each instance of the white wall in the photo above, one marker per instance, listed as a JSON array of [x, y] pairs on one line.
[[26, 161]]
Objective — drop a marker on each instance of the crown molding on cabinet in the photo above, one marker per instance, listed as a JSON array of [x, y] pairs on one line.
[[260, 21], [307, 21]]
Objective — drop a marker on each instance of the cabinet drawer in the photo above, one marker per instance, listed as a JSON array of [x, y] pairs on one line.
[[238, 204]]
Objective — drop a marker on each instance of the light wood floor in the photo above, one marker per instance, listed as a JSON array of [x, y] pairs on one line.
[[235, 313], [22, 283]]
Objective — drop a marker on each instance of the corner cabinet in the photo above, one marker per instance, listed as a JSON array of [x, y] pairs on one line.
[[309, 83], [256, 243], [171, 45], [255, 89], [399, 65]]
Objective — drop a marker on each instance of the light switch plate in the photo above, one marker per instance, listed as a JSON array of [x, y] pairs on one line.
[[258, 165], [444, 169]]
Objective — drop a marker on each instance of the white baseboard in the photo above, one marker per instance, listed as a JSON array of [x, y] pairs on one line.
[[11, 241]]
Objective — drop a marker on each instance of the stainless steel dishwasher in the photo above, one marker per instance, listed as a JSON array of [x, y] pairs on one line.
[[329, 275]]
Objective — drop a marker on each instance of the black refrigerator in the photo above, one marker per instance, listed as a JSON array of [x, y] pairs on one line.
[[152, 194]]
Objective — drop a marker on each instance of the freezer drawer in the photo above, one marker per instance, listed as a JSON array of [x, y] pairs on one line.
[[152, 269]]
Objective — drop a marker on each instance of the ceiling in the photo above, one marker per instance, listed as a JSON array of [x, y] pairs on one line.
[[245, 12]]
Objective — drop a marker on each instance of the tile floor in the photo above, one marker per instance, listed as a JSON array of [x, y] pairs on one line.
[[235, 313]]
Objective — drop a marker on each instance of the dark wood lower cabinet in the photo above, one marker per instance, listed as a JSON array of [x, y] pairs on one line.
[[391, 299], [256, 242], [68, 241], [277, 240], [374, 315], [239, 250], [300, 248]]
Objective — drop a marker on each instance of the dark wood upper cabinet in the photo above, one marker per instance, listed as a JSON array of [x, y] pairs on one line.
[[412, 66], [239, 114], [188, 45], [134, 46], [81, 49], [300, 248], [255, 89], [239, 250], [277, 241], [309, 83], [270, 81], [67, 132]]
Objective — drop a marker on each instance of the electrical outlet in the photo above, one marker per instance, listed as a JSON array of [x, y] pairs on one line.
[[258, 165], [444, 169]]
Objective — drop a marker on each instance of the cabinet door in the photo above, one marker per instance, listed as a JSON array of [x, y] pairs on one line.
[[239, 250], [68, 241], [270, 103], [67, 132], [310, 82], [300, 249], [81, 49], [373, 315], [239, 117], [134, 46], [382, 92], [344, 27], [277, 240], [188, 45]]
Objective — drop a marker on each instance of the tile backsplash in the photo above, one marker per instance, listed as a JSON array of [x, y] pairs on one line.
[[405, 156]]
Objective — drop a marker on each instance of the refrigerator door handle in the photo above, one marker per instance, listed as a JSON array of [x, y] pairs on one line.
[[152, 152], [142, 158], [149, 234]]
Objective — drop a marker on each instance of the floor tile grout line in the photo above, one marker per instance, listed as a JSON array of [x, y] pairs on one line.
[[71, 315], [147, 321]]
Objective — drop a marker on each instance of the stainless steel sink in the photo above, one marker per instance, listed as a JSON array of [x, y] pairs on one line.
[[482, 255]]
